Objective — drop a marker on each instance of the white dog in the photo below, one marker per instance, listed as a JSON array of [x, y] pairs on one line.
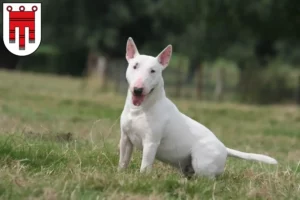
[[152, 123]]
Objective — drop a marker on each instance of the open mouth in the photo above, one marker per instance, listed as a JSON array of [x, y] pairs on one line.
[[137, 100]]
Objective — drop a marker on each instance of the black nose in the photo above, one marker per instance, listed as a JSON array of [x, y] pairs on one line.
[[137, 91]]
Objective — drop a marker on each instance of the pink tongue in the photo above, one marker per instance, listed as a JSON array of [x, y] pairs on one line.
[[137, 100]]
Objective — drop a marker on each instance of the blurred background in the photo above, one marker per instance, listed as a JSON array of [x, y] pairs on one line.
[[224, 50]]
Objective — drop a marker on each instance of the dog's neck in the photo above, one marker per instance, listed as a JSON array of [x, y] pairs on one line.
[[151, 99]]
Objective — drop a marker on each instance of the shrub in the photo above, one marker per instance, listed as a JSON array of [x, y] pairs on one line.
[[273, 84]]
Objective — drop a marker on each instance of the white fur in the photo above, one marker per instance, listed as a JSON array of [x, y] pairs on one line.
[[161, 131]]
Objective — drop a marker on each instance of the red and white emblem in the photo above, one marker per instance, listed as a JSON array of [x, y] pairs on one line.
[[22, 27]]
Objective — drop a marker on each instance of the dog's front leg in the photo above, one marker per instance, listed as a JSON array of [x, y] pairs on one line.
[[126, 148], [149, 152]]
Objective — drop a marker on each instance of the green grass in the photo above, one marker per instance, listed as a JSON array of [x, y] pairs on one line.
[[60, 142]]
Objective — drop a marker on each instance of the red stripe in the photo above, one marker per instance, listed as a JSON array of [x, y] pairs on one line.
[[21, 20]]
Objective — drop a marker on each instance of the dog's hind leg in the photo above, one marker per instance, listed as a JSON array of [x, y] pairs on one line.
[[208, 158], [188, 170]]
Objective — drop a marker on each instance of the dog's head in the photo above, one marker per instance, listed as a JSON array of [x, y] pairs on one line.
[[144, 73]]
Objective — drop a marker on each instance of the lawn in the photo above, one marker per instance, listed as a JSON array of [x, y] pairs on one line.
[[58, 141]]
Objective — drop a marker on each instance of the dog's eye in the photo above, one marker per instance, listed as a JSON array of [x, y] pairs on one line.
[[135, 66], [152, 71]]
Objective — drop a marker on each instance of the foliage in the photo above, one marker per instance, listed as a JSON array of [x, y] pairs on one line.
[[207, 29], [275, 84]]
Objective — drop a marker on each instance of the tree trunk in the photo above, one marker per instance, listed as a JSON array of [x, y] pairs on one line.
[[179, 81], [220, 82], [298, 91], [200, 81], [193, 66]]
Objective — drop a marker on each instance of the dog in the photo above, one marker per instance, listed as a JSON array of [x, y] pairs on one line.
[[153, 124]]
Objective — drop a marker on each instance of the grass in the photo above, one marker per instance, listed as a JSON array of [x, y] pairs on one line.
[[60, 142]]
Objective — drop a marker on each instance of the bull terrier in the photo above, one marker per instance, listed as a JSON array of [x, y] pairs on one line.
[[153, 124]]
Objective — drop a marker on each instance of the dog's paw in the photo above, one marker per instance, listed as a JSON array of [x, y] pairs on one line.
[[146, 170], [121, 168]]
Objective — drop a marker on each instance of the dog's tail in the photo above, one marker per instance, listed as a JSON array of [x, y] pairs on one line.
[[251, 156]]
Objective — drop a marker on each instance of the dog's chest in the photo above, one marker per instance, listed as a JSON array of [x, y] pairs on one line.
[[136, 127]]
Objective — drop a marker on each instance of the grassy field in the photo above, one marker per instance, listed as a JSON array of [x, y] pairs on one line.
[[60, 142]]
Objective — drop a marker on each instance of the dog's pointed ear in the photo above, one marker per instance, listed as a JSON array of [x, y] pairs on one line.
[[131, 50], [165, 56]]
